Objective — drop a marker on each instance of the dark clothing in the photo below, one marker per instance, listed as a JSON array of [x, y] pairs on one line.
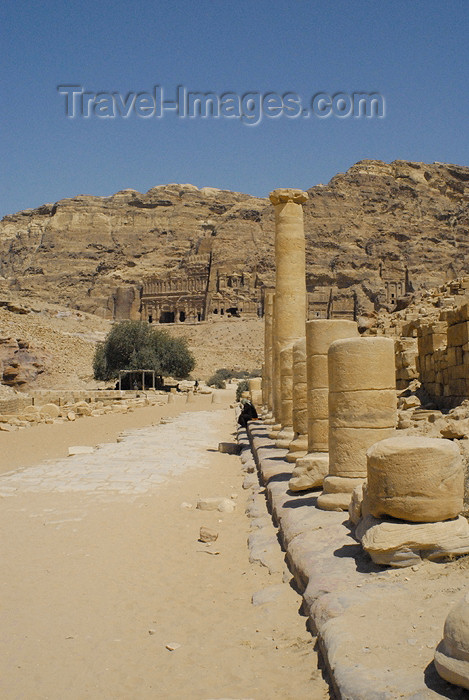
[[248, 413]]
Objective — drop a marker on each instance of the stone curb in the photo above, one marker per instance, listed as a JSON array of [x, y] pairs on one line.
[[336, 578]]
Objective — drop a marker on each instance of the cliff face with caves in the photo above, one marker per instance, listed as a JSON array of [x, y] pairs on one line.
[[92, 253]]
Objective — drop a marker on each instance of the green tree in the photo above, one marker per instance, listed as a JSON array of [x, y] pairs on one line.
[[137, 345]]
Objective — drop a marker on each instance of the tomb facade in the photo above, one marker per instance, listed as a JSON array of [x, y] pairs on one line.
[[202, 288]]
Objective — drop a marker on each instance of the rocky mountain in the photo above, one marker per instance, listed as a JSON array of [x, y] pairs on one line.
[[369, 224]]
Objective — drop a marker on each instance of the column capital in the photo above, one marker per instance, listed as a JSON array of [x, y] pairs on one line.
[[288, 194]]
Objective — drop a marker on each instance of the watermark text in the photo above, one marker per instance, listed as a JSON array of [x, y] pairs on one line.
[[250, 107]]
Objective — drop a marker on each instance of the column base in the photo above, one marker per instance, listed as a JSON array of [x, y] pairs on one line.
[[275, 430], [392, 542], [337, 492], [309, 472], [268, 419], [285, 437], [297, 448]]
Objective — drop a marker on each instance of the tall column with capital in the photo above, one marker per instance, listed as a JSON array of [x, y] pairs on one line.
[[290, 297]]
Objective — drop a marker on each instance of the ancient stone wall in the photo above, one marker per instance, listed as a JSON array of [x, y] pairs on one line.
[[406, 353]]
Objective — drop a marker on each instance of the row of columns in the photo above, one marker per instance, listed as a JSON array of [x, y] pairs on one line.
[[328, 393], [333, 393]]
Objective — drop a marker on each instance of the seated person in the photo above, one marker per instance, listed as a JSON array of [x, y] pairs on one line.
[[248, 412]]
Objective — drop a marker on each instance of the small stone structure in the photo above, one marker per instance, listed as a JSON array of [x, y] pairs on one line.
[[452, 654], [362, 410], [299, 445], [310, 470], [290, 295], [411, 502]]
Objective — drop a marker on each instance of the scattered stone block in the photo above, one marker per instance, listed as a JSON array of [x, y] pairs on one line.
[[407, 402], [229, 448], [455, 429], [207, 534], [356, 504], [309, 472], [224, 505], [80, 450], [50, 410]]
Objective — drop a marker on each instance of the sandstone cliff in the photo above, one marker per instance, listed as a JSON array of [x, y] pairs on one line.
[[92, 253]]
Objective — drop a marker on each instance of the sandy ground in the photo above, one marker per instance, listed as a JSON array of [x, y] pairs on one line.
[[96, 579]]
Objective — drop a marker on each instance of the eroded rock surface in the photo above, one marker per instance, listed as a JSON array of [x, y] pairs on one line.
[[94, 251]]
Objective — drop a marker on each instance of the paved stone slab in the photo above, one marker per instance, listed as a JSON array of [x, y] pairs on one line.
[[140, 460]]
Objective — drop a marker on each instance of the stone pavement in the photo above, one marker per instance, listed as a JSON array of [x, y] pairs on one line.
[[132, 466], [377, 628]]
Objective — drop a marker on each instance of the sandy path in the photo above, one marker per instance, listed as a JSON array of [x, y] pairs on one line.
[[102, 568]]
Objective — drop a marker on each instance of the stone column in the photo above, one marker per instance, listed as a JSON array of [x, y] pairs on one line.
[[311, 469], [275, 390], [264, 396], [268, 317], [362, 411], [299, 446], [285, 436], [290, 291], [255, 392]]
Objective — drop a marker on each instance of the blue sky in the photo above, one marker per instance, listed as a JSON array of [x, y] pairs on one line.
[[414, 54]]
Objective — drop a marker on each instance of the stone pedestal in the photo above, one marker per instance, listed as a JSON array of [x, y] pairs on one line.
[[411, 501], [395, 543], [290, 292], [299, 445], [452, 654], [311, 469], [362, 411]]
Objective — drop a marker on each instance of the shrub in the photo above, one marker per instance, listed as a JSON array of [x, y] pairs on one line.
[[217, 381], [242, 386], [137, 345], [222, 375]]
